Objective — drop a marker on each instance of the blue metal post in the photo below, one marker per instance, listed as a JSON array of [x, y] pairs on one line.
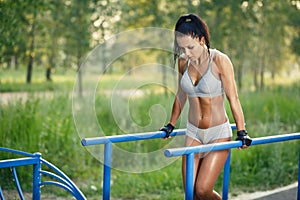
[[226, 177], [106, 171], [189, 179], [298, 194], [36, 191], [1, 194]]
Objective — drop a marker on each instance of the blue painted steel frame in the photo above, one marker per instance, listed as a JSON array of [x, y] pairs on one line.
[[298, 193], [188, 151], [226, 177], [226, 145], [37, 161], [36, 192], [108, 140], [107, 171], [14, 171], [189, 182]]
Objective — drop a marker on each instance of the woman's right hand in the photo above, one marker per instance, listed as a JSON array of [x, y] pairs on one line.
[[168, 129]]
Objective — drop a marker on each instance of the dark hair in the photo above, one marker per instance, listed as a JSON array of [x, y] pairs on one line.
[[193, 26]]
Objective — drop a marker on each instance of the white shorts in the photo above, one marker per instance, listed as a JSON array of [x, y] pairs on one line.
[[206, 136]]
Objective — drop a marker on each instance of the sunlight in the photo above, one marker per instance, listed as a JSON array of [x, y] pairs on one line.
[[297, 4]]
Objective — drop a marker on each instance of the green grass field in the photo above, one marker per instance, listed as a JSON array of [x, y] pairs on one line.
[[43, 124]]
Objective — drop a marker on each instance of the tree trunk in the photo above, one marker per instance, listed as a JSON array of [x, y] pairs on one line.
[[29, 70], [31, 50], [255, 81], [189, 6], [239, 76], [164, 75], [48, 74], [262, 84], [79, 73], [50, 66], [8, 64], [79, 82], [16, 62], [262, 73]]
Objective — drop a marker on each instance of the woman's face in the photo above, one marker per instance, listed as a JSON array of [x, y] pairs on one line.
[[191, 47]]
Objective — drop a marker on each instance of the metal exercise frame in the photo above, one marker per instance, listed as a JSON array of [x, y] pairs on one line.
[[37, 161], [188, 151], [108, 140]]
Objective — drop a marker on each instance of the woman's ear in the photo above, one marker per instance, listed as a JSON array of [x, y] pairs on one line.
[[202, 40]]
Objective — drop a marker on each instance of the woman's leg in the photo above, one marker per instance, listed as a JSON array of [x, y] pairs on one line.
[[211, 167], [197, 160]]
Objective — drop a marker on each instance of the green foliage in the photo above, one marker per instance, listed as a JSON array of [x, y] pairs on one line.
[[278, 108], [163, 184], [265, 30], [46, 125]]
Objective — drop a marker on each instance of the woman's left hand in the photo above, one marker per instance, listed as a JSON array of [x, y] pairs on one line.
[[243, 136]]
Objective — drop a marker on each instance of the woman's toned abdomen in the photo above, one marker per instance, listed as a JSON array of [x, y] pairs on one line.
[[207, 112]]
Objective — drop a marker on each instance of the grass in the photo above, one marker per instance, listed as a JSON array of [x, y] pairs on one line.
[[46, 125], [15, 80]]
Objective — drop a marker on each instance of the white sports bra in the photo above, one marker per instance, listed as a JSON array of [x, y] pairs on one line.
[[207, 86]]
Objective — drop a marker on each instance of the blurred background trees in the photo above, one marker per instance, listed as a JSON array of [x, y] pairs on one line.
[[261, 36]]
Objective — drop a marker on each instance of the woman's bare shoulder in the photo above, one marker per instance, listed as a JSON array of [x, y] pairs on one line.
[[182, 63], [221, 59], [220, 56]]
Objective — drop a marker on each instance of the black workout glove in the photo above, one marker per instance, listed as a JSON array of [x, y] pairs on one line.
[[243, 136], [168, 129]]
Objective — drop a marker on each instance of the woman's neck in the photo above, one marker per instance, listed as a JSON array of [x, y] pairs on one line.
[[202, 59]]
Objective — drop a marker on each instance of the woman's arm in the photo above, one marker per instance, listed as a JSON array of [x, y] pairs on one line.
[[227, 77], [181, 96]]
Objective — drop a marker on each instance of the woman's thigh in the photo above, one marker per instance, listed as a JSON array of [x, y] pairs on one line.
[[197, 158], [210, 168]]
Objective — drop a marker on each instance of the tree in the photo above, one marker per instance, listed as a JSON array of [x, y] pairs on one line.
[[269, 38], [77, 37], [13, 39], [258, 35], [294, 22], [53, 33]]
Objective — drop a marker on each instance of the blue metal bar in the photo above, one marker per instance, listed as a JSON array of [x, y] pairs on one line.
[[107, 171], [128, 137], [134, 137], [17, 162], [275, 138], [1, 194], [227, 145], [202, 148], [59, 172], [54, 176], [36, 190], [58, 184], [189, 183], [16, 152], [226, 177], [18, 186], [64, 184], [65, 179]]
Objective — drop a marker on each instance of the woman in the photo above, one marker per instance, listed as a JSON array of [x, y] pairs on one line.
[[205, 77]]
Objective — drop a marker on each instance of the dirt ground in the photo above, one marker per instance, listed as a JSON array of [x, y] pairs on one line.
[[13, 195]]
